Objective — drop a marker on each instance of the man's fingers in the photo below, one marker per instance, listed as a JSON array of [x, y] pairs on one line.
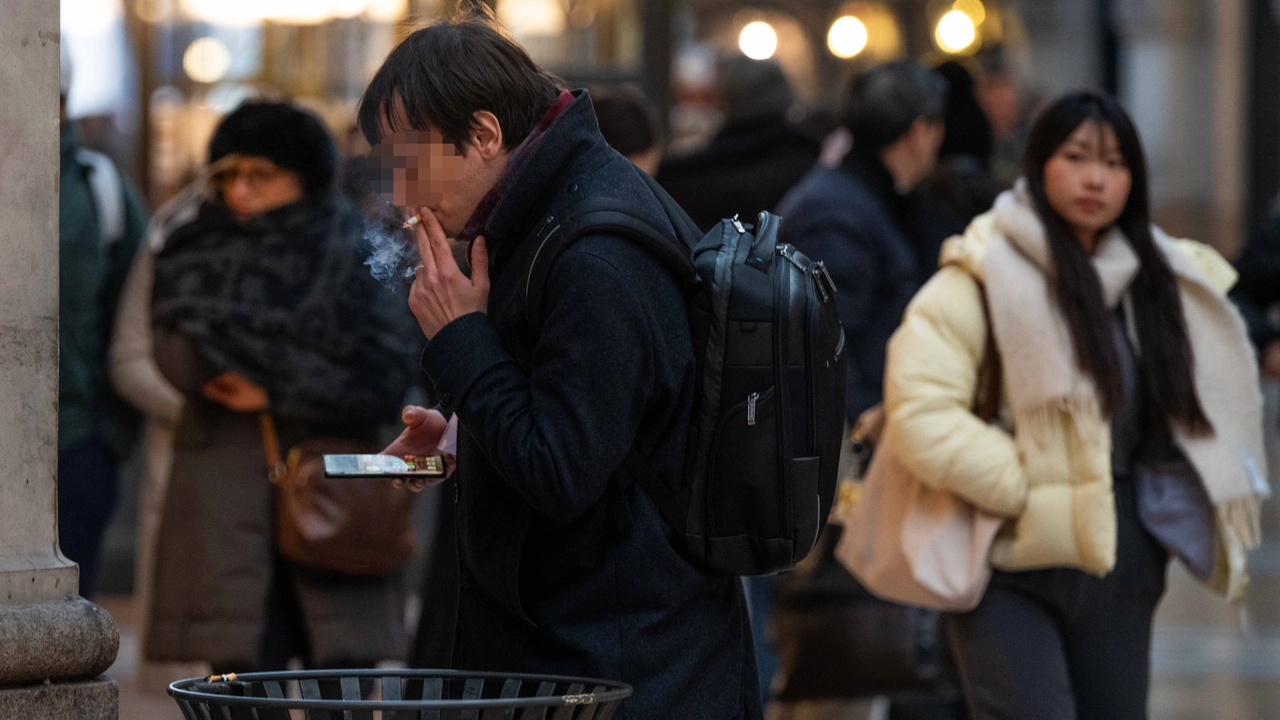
[[480, 263], [411, 484], [413, 415], [439, 244], [427, 270]]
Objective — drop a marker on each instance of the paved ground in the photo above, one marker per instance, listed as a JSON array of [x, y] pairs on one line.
[[1205, 665], [1211, 661]]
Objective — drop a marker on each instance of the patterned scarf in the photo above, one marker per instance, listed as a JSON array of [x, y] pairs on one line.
[[286, 301]]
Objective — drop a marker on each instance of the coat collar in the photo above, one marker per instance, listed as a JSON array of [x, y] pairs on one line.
[[573, 131]]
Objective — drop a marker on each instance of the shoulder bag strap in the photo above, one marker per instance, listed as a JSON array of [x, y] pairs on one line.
[[991, 374], [271, 446]]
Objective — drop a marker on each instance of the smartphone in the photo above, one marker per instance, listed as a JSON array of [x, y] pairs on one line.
[[384, 466]]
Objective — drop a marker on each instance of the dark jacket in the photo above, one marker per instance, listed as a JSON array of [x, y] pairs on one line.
[[565, 565], [1257, 293], [879, 248], [749, 165], [92, 274]]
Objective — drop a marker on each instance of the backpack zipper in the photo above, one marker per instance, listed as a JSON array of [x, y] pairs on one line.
[[751, 408]]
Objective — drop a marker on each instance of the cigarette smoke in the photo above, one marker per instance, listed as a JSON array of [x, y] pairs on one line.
[[392, 258]]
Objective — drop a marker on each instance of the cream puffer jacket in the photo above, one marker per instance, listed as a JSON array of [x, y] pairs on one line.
[[1057, 494]]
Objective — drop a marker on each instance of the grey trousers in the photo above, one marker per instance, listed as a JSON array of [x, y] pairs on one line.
[[1061, 644]]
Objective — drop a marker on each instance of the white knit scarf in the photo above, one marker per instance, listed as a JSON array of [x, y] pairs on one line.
[[1043, 378]]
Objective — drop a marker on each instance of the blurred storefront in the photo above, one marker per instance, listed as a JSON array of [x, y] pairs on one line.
[[1201, 79], [153, 76]]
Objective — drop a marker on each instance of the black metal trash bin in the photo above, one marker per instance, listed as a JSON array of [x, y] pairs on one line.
[[401, 695]]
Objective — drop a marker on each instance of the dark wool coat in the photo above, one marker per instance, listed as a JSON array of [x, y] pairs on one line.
[[879, 248], [1257, 294], [749, 165], [564, 565]]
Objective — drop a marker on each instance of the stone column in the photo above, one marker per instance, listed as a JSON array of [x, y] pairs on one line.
[[1182, 79], [1230, 126], [54, 645]]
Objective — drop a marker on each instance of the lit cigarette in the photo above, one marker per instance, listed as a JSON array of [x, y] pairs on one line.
[[411, 222]]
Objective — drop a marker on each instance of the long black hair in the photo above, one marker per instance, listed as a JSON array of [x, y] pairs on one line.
[[1167, 360]]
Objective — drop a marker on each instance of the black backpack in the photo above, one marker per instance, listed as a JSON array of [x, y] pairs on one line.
[[764, 444]]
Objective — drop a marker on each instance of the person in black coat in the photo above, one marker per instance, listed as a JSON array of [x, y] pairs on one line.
[[564, 565], [1257, 294], [865, 219], [962, 183], [755, 158]]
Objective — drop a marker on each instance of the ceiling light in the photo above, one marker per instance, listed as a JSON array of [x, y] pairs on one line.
[[847, 37], [955, 32], [758, 40], [206, 60]]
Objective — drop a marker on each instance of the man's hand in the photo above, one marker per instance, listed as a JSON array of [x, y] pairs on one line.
[[441, 293], [421, 436], [236, 392]]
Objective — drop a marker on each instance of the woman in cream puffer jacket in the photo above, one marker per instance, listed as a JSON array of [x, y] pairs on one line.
[[1088, 437]]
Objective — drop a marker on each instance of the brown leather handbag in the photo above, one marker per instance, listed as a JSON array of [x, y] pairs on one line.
[[349, 525]]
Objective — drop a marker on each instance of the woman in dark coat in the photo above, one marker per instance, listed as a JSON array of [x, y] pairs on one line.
[[261, 301]]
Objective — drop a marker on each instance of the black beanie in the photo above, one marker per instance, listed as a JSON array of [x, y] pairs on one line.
[[286, 135]]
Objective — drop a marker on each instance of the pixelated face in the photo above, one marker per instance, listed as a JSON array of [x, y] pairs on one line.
[[416, 168]]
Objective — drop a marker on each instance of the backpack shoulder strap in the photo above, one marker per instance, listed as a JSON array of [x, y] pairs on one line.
[[615, 217], [597, 216], [991, 374]]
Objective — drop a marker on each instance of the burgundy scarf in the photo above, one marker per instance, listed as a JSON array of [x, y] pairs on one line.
[[515, 164]]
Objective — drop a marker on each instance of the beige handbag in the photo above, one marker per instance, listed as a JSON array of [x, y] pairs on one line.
[[909, 543]]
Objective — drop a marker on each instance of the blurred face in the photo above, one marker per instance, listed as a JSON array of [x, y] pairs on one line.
[[252, 185], [914, 155], [926, 137], [1087, 181], [418, 169]]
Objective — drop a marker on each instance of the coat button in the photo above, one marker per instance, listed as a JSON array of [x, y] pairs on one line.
[[446, 397]]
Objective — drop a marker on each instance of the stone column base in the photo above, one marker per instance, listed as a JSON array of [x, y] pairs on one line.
[[90, 700], [67, 640]]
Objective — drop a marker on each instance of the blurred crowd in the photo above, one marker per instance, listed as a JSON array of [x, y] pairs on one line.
[[242, 316]]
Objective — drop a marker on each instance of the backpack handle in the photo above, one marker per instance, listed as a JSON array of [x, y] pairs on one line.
[[766, 230]]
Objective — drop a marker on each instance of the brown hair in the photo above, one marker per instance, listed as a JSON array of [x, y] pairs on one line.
[[445, 73]]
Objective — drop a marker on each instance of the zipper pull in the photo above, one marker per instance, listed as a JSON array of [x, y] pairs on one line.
[[737, 225], [826, 286], [751, 408]]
